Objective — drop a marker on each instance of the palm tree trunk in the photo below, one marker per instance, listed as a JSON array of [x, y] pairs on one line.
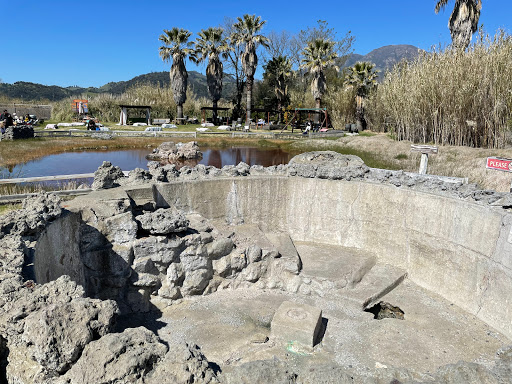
[[317, 115], [214, 111], [280, 112], [180, 111], [249, 100]]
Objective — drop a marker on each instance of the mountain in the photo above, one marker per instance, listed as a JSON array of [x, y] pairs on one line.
[[385, 57], [32, 91]]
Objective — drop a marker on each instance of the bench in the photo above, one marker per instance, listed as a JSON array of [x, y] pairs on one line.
[[161, 121]]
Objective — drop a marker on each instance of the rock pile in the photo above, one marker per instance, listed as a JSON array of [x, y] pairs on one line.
[[132, 256], [169, 151], [18, 132]]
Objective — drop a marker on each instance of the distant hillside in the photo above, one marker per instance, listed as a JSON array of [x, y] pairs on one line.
[[386, 57], [32, 91]]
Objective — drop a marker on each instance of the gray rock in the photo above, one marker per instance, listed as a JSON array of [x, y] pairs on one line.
[[254, 253], [169, 151], [183, 364], [35, 213], [196, 281], [107, 176], [118, 358], [327, 165], [119, 229], [58, 333], [136, 176], [163, 221], [162, 250], [31, 298], [220, 247]]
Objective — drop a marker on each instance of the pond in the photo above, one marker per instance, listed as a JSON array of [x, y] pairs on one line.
[[89, 161]]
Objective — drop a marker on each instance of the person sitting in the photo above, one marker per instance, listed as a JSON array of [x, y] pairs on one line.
[[91, 125]]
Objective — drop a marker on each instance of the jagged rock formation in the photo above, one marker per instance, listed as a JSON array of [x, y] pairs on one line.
[[169, 151], [126, 253]]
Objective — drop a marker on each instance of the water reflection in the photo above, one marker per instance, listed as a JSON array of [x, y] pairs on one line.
[[89, 161]]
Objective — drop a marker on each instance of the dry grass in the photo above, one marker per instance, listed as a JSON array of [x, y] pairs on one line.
[[450, 161]]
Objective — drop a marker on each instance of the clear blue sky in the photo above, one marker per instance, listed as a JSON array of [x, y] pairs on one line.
[[89, 43]]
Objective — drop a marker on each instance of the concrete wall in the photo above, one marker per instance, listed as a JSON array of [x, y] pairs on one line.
[[458, 249], [57, 251]]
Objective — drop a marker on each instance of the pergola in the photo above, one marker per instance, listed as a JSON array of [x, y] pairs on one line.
[[266, 111], [204, 109], [309, 111], [123, 119]]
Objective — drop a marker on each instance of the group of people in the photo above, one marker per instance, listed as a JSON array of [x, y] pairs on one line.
[[8, 120]]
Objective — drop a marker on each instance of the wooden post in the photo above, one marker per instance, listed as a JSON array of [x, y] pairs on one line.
[[425, 150]]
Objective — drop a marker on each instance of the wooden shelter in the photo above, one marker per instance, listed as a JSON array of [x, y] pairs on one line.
[[299, 111], [123, 118], [204, 109]]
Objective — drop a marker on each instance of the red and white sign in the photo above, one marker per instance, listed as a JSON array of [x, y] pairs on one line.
[[499, 164]]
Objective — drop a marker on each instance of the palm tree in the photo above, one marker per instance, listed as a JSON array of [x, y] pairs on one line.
[[278, 71], [210, 44], [463, 20], [363, 78], [246, 33], [175, 48], [318, 55]]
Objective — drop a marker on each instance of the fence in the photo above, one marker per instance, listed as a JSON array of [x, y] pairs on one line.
[[195, 134], [43, 112]]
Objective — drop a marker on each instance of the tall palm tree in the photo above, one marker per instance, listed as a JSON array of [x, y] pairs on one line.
[[175, 48], [463, 20], [246, 33], [278, 71], [363, 78], [210, 45], [318, 55]]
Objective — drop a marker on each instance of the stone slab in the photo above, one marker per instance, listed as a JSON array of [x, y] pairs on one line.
[[294, 322]]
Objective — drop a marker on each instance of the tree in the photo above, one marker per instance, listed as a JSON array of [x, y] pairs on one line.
[[210, 45], [233, 67], [277, 73], [363, 77], [317, 56], [463, 20], [246, 34], [175, 47]]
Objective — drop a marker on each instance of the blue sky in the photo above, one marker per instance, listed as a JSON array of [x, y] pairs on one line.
[[89, 43]]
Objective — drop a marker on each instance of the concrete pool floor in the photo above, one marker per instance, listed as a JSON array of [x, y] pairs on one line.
[[231, 326]]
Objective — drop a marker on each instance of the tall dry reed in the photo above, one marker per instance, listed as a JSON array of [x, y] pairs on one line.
[[105, 107], [449, 97]]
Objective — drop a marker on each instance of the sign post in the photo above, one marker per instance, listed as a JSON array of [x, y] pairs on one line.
[[425, 150], [500, 164]]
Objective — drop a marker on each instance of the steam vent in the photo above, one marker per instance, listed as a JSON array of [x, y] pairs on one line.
[[320, 271]]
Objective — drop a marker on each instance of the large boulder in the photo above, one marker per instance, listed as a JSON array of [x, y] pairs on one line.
[[163, 221], [327, 165], [57, 334], [169, 151], [118, 358], [35, 213], [107, 176]]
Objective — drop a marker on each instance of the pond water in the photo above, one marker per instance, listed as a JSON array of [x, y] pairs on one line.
[[89, 161]]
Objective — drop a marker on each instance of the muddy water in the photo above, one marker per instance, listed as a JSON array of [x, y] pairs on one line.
[[89, 161]]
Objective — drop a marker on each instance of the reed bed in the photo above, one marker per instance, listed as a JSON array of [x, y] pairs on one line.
[[105, 107], [449, 97]]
